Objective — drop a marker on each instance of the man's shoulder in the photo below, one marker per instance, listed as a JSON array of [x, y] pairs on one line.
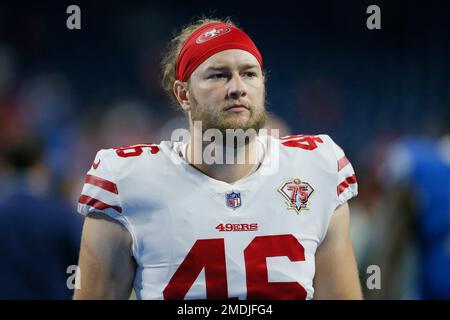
[[115, 172], [315, 151], [307, 145], [123, 160], [132, 152]]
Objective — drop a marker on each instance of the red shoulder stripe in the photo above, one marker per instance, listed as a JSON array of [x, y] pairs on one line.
[[102, 183], [97, 203], [345, 184], [342, 163]]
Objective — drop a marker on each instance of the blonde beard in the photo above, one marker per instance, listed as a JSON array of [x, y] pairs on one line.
[[217, 119]]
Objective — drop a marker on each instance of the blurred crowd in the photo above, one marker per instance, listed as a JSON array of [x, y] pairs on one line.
[[383, 98]]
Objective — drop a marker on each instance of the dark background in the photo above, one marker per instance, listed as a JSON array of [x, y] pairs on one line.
[[98, 87]]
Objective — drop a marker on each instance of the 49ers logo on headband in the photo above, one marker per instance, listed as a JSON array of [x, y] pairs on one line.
[[211, 34], [197, 48]]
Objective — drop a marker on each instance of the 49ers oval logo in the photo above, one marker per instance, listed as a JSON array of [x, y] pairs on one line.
[[211, 34]]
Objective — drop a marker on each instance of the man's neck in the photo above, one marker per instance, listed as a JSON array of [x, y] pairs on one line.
[[233, 165]]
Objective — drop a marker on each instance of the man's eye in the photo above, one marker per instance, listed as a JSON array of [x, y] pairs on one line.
[[217, 76], [250, 74]]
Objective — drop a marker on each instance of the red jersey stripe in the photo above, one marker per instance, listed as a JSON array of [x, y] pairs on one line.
[[102, 183], [342, 163], [345, 184], [97, 203]]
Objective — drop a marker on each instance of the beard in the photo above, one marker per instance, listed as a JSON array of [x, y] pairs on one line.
[[218, 118]]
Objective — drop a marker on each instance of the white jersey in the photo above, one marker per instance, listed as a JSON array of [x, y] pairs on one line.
[[195, 237]]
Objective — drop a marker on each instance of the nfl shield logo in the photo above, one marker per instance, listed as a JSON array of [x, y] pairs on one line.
[[233, 199]]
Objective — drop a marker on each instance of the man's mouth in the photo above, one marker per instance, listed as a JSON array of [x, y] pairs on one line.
[[236, 108]]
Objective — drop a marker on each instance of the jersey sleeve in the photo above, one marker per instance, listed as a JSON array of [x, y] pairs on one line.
[[100, 192], [347, 186]]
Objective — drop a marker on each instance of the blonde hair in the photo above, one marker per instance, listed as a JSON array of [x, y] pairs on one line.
[[169, 60]]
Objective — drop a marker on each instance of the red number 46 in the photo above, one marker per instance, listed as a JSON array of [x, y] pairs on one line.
[[210, 254], [136, 150], [306, 142]]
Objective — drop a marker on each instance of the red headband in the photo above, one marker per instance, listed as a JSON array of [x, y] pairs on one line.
[[209, 40]]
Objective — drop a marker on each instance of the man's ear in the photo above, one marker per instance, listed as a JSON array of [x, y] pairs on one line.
[[180, 90]]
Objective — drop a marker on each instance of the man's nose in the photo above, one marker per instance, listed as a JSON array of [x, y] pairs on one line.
[[237, 88]]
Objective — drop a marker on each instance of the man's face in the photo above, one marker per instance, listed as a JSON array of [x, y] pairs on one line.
[[227, 92]]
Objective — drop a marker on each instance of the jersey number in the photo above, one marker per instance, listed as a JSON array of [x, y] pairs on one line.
[[306, 142], [136, 150], [210, 254]]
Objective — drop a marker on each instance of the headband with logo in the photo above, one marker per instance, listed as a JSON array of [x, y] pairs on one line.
[[209, 40]]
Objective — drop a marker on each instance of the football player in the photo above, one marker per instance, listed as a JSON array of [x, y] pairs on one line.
[[162, 219], [414, 250]]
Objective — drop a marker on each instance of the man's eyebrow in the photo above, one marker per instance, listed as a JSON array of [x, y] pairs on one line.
[[249, 66], [216, 68], [223, 67]]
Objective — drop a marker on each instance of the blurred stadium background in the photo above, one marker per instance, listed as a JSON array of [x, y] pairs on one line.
[[69, 93]]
